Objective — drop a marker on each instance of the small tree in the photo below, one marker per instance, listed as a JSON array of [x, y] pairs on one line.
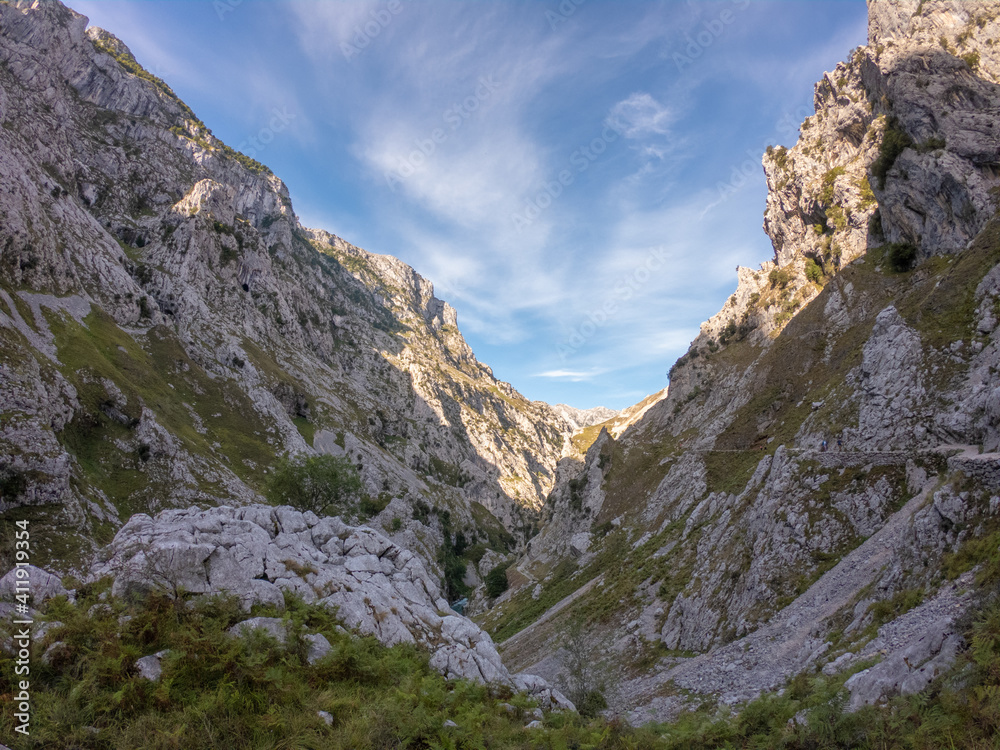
[[585, 680], [901, 256], [322, 484], [496, 581]]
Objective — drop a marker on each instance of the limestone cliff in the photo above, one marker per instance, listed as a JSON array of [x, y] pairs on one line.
[[714, 547], [169, 330]]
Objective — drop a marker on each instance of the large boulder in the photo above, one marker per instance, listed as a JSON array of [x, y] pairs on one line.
[[39, 583], [256, 552]]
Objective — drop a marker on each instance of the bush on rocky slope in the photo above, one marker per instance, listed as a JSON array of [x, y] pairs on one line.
[[322, 484]]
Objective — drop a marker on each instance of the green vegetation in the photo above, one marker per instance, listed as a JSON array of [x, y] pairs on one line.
[[730, 471], [129, 63], [867, 196], [586, 680], [198, 410], [943, 307], [251, 692], [326, 485], [895, 141], [972, 60], [955, 712], [931, 144], [779, 155], [898, 604], [901, 256], [306, 428], [829, 180], [779, 277], [496, 581], [814, 272], [585, 438], [448, 473], [523, 610], [982, 551], [838, 216], [453, 565]]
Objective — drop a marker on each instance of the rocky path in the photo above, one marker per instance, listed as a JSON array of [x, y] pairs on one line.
[[764, 659], [518, 643]]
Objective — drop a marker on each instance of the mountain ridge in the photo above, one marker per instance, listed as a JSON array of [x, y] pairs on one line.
[[242, 328]]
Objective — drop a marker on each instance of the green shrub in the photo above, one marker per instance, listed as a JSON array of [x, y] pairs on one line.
[[901, 256], [450, 559], [779, 277], [496, 581], [895, 141], [875, 226], [826, 193], [813, 271], [323, 484], [901, 602], [230, 693], [837, 215], [779, 154], [932, 144], [369, 507]]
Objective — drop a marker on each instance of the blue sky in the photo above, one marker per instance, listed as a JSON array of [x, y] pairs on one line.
[[579, 179]]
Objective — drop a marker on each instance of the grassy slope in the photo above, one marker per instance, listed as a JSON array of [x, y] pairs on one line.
[[221, 692]]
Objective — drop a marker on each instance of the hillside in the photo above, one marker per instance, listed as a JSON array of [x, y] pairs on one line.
[[714, 548], [169, 330]]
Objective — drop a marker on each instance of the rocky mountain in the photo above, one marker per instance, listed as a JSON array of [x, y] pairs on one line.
[[169, 330], [807, 495], [583, 418], [813, 501]]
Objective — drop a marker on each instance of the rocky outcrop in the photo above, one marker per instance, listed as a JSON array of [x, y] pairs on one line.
[[258, 552], [901, 150]]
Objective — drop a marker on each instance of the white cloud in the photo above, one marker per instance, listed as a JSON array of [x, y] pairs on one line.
[[640, 115], [570, 375]]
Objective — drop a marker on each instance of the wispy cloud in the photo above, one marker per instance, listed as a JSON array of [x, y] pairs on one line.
[[640, 115], [570, 375], [405, 153]]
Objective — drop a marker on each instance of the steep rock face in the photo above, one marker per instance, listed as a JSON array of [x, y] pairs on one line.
[[168, 328], [902, 149], [721, 532]]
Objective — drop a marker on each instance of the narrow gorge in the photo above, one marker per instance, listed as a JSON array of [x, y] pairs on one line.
[[214, 417]]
